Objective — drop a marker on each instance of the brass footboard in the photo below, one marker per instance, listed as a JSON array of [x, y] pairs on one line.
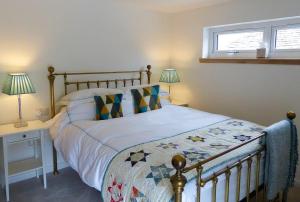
[[178, 180]]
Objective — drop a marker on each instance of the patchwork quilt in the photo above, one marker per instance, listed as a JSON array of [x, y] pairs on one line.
[[142, 172]]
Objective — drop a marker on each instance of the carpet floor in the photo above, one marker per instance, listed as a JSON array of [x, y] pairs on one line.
[[68, 187]]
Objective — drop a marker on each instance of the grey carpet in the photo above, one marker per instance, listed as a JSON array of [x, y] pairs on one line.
[[66, 187]]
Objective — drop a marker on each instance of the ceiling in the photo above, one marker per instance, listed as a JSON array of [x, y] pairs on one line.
[[173, 6]]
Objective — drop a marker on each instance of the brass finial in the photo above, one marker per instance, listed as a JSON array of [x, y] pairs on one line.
[[291, 115], [178, 180], [51, 69], [179, 162], [149, 73]]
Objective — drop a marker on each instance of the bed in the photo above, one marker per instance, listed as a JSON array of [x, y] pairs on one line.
[[169, 154]]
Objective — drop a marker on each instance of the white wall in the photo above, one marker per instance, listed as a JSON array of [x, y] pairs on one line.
[[259, 93], [74, 35]]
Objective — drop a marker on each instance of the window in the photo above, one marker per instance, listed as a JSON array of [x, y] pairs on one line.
[[280, 37], [242, 41], [287, 38]]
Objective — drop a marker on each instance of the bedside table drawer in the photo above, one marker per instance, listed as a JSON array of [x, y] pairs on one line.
[[21, 137]]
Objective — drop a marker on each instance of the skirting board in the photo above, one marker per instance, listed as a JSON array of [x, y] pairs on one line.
[[31, 174]]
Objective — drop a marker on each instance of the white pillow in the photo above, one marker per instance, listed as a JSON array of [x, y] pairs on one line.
[[127, 102], [127, 107], [86, 109], [81, 104], [128, 96], [86, 94], [128, 88], [82, 110], [164, 101], [161, 91]]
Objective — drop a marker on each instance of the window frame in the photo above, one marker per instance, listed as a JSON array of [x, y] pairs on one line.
[[276, 52], [269, 28], [216, 40]]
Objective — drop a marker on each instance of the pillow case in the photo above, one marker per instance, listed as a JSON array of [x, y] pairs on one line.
[[164, 101], [87, 93], [81, 104], [82, 111], [128, 104], [127, 90], [108, 106], [127, 107], [146, 99], [74, 103]]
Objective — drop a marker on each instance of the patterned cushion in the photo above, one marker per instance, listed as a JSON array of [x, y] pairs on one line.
[[146, 99], [108, 106]]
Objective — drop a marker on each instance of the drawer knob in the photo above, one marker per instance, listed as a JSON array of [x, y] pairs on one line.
[[24, 136]]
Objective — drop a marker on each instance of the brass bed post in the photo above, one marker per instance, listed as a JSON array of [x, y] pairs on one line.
[[291, 116], [249, 168], [65, 83], [148, 71], [227, 175], [214, 189], [51, 78], [178, 180], [238, 183], [199, 183], [258, 158]]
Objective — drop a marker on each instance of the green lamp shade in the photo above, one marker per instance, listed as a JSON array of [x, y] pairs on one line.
[[169, 76], [17, 83]]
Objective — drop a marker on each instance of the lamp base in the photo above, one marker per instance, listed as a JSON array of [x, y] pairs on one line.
[[20, 123], [170, 100]]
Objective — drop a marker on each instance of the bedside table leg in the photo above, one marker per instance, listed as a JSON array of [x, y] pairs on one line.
[[37, 173], [43, 159], [6, 169], [36, 155], [7, 191]]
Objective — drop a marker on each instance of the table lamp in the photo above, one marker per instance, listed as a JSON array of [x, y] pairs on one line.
[[18, 84], [169, 76]]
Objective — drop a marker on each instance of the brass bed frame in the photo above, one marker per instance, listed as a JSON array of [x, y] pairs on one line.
[[138, 76], [178, 180]]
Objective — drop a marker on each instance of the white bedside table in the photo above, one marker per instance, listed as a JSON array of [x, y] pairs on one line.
[[34, 134]]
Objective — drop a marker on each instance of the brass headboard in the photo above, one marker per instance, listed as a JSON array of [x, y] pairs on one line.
[[138, 76]]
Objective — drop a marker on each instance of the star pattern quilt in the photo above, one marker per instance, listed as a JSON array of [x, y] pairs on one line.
[[142, 173]]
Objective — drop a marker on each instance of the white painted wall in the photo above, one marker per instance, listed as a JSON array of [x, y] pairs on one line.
[[259, 93], [74, 35]]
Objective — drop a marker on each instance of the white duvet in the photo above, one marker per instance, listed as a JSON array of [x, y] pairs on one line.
[[88, 146]]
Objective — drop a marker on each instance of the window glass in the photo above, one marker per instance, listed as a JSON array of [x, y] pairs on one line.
[[287, 38], [250, 40]]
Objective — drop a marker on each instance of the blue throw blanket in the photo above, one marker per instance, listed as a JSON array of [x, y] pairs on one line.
[[281, 157]]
